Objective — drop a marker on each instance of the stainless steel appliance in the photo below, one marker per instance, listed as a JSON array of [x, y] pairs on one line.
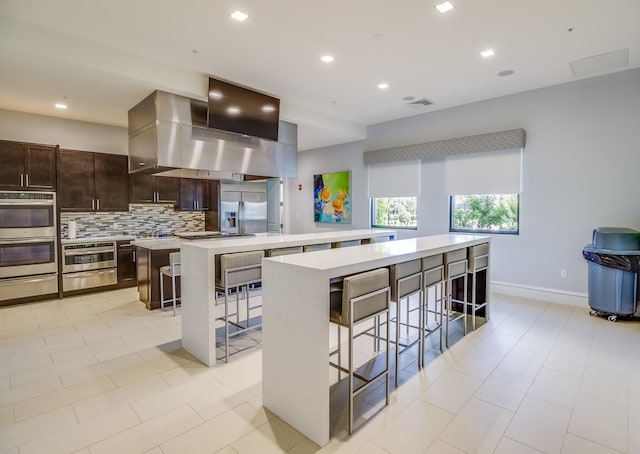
[[28, 252], [243, 208], [88, 264]]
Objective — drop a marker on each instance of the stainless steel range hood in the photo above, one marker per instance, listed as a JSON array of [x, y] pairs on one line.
[[168, 136]]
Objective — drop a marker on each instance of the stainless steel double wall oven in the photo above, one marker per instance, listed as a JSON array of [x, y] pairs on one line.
[[28, 252]]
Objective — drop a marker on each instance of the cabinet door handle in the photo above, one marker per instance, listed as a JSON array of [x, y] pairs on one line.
[[98, 204], [93, 204], [155, 196], [26, 178], [22, 180], [134, 256]]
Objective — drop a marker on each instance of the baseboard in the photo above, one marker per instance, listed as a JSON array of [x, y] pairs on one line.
[[540, 293]]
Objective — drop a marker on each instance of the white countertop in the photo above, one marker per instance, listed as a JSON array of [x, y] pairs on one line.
[[97, 238], [281, 240], [158, 244], [342, 261]]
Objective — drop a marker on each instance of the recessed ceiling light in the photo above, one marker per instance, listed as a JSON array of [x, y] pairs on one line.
[[487, 53], [60, 105], [506, 72], [268, 108], [444, 7], [327, 58], [239, 15], [233, 110], [383, 85]]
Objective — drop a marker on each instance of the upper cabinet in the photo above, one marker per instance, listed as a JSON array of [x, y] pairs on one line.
[[93, 181], [27, 167], [151, 189], [195, 194]]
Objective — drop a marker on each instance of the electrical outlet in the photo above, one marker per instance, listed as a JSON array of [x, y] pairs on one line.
[[563, 274]]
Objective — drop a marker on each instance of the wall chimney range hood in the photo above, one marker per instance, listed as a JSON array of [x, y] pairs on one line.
[[168, 136]]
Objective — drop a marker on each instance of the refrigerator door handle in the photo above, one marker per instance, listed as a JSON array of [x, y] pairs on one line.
[[241, 217]]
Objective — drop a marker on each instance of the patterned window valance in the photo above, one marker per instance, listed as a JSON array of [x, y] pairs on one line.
[[493, 141]]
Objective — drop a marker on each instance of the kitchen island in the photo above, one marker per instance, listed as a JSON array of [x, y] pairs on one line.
[[295, 296], [198, 277]]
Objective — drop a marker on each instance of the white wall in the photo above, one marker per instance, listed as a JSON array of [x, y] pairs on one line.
[[71, 134], [581, 171]]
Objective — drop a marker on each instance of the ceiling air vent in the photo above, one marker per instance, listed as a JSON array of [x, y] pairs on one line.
[[419, 104]]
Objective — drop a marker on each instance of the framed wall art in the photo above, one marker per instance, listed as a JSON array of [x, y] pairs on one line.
[[332, 197]]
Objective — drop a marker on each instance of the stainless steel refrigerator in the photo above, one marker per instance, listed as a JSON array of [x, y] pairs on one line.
[[243, 208]]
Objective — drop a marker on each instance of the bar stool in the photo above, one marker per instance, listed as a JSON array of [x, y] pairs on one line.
[[171, 270], [455, 268], [433, 278], [238, 271], [365, 297], [406, 281], [346, 243], [316, 247], [478, 261], [284, 251]]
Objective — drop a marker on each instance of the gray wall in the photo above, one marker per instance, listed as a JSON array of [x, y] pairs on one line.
[[71, 134], [581, 171]]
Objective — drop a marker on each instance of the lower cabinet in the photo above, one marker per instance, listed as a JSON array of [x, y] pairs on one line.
[[126, 264], [148, 263]]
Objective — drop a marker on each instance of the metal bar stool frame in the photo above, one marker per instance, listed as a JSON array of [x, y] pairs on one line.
[[452, 275], [478, 263], [430, 282], [172, 270]]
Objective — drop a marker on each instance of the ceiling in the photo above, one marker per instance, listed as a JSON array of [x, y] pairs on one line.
[[103, 57]]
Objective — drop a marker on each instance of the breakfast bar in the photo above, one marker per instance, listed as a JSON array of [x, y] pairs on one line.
[[198, 263], [295, 350]]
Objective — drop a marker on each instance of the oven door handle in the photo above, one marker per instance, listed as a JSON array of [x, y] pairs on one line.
[[26, 202], [26, 240], [89, 251]]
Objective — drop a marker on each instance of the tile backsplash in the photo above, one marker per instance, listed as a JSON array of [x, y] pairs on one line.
[[141, 220]]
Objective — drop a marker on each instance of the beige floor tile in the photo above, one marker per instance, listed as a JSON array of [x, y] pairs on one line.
[[110, 400], [59, 398], [155, 450], [5, 383], [509, 446], [306, 446], [478, 363], [6, 416], [482, 425], [44, 350], [143, 370], [401, 434], [567, 359], [149, 434], [577, 445], [539, 425], [24, 378], [451, 391], [96, 347], [226, 450], [497, 342], [13, 450], [634, 422], [29, 391], [218, 432], [504, 389], [275, 436], [81, 435], [523, 362], [606, 384], [25, 367], [224, 399], [555, 387], [32, 428], [168, 399], [600, 421], [440, 447]]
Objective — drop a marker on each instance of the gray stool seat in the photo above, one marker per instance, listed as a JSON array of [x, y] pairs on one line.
[[238, 271], [406, 281], [172, 270], [455, 268], [363, 297]]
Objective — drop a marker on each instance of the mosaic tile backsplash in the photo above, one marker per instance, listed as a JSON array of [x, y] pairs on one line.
[[141, 220]]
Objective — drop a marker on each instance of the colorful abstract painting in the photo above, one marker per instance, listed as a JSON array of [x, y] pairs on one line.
[[332, 197]]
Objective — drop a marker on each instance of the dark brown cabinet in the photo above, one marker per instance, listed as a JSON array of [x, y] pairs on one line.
[[195, 195], [27, 167], [93, 181], [126, 264], [151, 189]]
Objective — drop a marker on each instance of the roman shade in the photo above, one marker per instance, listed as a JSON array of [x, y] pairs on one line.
[[398, 179], [497, 172]]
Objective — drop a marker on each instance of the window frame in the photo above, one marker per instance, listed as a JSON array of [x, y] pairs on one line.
[[373, 225], [483, 231]]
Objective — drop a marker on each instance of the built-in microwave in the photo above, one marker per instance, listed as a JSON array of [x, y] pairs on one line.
[[27, 214]]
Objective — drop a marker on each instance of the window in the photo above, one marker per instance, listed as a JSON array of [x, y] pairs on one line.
[[487, 213], [396, 212]]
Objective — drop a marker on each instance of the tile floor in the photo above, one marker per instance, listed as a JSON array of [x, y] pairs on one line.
[[101, 374]]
